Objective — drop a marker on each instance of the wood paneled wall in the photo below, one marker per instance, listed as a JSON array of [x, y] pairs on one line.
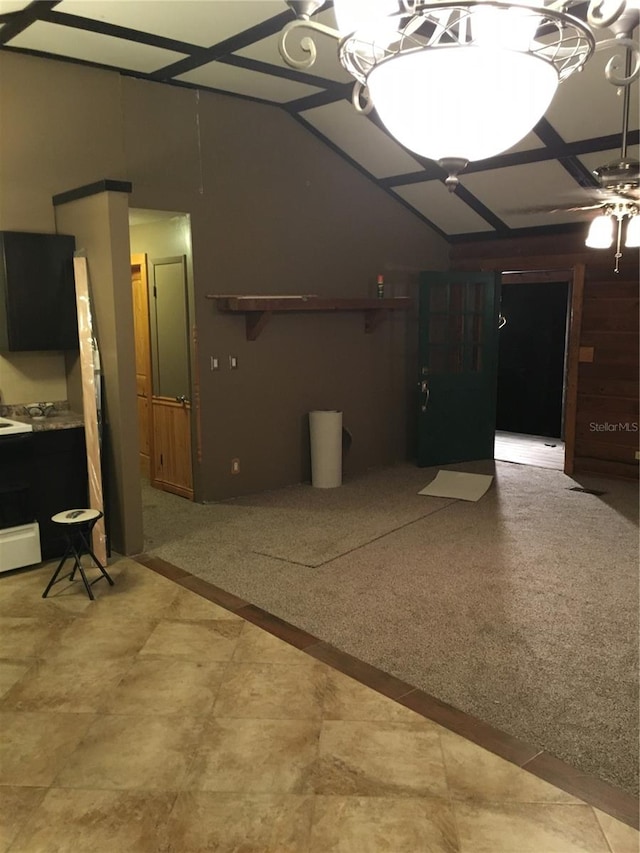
[[607, 417]]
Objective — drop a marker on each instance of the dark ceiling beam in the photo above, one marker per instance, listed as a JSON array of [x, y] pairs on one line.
[[354, 163], [312, 101], [281, 71], [217, 51], [436, 172], [482, 210], [546, 133], [522, 158], [19, 21], [87, 63], [104, 28], [532, 231], [338, 92]]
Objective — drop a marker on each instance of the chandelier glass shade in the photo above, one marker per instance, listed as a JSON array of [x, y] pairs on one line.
[[354, 15], [466, 104]]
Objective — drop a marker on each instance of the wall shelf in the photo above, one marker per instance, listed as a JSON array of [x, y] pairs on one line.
[[258, 309]]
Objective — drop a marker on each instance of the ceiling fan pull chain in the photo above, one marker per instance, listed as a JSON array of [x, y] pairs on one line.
[[618, 254]]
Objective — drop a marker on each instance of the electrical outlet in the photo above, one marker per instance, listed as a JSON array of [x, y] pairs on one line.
[[233, 362], [215, 364], [637, 454], [235, 466]]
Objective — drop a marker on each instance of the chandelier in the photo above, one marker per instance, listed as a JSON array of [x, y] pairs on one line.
[[463, 80]]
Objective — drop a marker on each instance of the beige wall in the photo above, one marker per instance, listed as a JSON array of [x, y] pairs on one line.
[[272, 210], [100, 223], [26, 377]]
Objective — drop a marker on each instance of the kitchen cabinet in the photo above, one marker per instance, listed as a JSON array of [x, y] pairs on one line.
[[60, 482], [37, 292]]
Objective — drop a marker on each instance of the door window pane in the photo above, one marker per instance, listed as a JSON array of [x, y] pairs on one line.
[[455, 359], [437, 359], [476, 297], [477, 328], [456, 328], [456, 302], [438, 297], [438, 328], [476, 359]]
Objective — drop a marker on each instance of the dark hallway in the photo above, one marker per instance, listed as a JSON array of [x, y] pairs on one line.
[[531, 358]]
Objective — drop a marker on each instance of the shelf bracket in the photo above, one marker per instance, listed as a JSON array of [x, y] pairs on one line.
[[372, 319], [255, 321]]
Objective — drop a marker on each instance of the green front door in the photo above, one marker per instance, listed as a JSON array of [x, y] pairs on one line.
[[458, 351]]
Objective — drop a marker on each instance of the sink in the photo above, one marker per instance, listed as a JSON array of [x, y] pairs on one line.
[[39, 411]]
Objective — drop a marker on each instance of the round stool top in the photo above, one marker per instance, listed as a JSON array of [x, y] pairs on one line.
[[75, 516]]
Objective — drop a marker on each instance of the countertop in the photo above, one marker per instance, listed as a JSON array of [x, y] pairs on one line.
[[66, 419]]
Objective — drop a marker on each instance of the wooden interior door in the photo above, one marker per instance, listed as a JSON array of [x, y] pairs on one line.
[[143, 358], [171, 466]]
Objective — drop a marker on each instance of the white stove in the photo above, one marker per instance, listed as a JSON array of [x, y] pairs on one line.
[[10, 427], [19, 532]]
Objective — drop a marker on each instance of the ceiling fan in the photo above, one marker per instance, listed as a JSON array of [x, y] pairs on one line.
[[616, 185]]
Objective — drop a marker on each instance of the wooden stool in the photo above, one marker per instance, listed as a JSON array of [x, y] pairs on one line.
[[78, 523]]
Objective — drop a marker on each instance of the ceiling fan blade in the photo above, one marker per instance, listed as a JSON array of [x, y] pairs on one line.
[[552, 208]]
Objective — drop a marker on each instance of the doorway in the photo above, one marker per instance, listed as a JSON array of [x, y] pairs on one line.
[[161, 280], [532, 370]]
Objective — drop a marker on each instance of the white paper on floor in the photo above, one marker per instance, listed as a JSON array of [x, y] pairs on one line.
[[457, 484]]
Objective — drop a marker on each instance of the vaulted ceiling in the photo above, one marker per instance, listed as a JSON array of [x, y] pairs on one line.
[[231, 46]]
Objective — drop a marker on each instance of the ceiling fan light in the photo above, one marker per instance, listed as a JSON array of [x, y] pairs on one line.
[[600, 234], [465, 101], [632, 239]]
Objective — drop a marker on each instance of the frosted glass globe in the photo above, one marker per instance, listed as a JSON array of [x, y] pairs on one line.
[[600, 234], [352, 15], [633, 233], [466, 102]]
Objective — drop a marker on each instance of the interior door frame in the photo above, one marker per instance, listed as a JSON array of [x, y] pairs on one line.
[[574, 276], [183, 234], [140, 259], [545, 277], [158, 399]]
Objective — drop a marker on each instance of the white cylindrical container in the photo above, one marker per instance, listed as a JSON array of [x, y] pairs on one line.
[[325, 430]]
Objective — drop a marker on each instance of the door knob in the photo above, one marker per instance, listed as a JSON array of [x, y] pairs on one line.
[[424, 389], [182, 399]]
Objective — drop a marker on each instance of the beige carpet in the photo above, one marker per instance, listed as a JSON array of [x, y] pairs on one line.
[[521, 609]]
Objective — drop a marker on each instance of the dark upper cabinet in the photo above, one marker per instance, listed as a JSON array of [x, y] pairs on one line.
[[37, 292]]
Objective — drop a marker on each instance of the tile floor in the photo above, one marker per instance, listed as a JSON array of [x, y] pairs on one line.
[[154, 720]]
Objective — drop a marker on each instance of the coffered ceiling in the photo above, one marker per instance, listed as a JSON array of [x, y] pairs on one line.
[[231, 46]]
